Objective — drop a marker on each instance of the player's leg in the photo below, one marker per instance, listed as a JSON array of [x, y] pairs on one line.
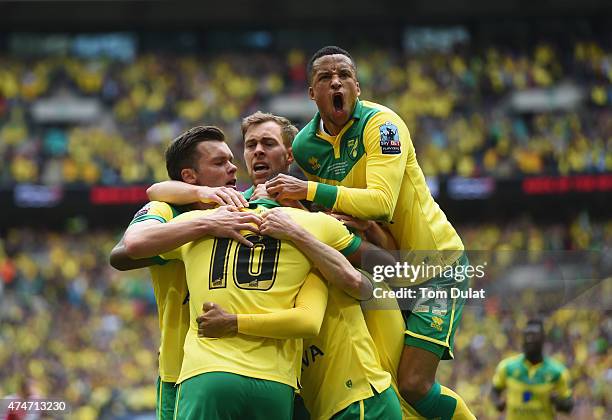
[[227, 396], [300, 412], [430, 331], [385, 405], [165, 400]]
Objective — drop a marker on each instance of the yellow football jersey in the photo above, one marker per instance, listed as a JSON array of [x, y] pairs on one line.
[[369, 170], [340, 365], [262, 279], [387, 327], [170, 288], [529, 387]]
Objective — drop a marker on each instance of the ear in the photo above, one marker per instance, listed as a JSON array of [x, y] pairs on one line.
[[289, 155], [189, 176], [358, 89], [311, 93]]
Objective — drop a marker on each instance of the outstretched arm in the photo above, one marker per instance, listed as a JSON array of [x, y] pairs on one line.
[[150, 238], [181, 193], [302, 321], [388, 148], [334, 267], [120, 260]]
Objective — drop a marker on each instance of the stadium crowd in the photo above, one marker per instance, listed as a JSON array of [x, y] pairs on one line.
[[80, 331], [455, 104]]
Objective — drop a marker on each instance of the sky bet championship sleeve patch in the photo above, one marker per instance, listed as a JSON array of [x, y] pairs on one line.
[[389, 139]]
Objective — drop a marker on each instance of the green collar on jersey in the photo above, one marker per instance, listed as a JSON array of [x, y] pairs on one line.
[[247, 194], [317, 118], [264, 202]]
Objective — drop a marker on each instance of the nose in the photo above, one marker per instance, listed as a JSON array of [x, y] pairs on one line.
[[336, 83], [259, 149], [232, 168]]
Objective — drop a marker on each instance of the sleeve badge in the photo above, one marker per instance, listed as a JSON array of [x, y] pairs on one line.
[[389, 139]]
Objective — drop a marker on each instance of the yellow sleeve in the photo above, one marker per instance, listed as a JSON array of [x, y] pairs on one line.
[[499, 378], [563, 387], [337, 235], [302, 321], [385, 168], [154, 210]]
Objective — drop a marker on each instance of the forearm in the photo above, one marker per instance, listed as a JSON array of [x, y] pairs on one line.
[[289, 323], [175, 192], [302, 321], [565, 405], [157, 239], [122, 262], [334, 267], [498, 400], [364, 203], [380, 237]]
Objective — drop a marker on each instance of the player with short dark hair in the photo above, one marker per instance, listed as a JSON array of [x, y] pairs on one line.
[[203, 161], [360, 160], [535, 385]]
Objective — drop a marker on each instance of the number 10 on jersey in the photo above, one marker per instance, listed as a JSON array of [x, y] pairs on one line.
[[251, 268]]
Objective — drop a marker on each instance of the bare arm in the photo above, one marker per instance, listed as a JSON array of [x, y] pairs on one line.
[[369, 230], [150, 238], [498, 399], [122, 262], [334, 267], [181, 193]]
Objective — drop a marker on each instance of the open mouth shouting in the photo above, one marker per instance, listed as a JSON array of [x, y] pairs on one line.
[[231, 183], [338, 103], [261, 169]]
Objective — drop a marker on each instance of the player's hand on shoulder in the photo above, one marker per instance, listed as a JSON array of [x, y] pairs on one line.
[[286, 187], [222, 196], [228, 222], [215, 322], [278, 224]]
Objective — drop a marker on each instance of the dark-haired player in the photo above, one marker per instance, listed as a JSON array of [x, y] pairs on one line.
[[535, 385], [202, 160], [360, 161]]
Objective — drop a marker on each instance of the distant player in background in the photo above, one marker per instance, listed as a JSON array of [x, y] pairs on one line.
[[360, 160], [203, 161], [535, 385]]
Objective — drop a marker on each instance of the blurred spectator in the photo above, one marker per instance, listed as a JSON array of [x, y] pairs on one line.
[[88, 334], [455, 105]]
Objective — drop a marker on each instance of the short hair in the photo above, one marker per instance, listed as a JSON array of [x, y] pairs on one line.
[[535, 322], [181, 154], [328, 50], [288, 130]]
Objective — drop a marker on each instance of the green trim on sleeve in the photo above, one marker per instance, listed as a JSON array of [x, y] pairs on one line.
[[352, 247], [326, 195], [148, 217], [159, 260]]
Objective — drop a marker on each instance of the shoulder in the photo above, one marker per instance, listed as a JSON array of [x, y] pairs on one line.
[[157, 210], [510, 363], [554, 366], [306, 133], [188, 215], [379, 114]]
